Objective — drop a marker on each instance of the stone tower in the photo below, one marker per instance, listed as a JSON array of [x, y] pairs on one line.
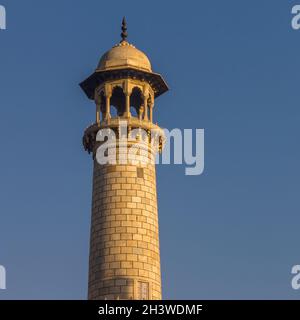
[[124, 258]]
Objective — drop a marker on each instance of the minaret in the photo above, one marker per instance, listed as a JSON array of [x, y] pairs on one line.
[[124, 258]]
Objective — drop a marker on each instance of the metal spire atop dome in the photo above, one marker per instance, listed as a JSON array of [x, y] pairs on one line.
[[124, 33]]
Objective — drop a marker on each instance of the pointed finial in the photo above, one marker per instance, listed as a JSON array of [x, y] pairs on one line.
[[124, 34]]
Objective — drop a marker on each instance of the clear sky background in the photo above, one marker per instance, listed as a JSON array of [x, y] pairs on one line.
[[233, 69]]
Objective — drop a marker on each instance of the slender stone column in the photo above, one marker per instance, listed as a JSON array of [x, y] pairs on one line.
[[127, 107], [145, 108], [107, 110], [98, 102], [151, 111]]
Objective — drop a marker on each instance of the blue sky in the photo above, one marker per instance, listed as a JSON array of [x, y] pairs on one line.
[[233, 69]]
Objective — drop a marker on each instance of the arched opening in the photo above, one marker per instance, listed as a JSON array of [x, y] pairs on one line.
[[113, 111], [118, 101], [136, 102]]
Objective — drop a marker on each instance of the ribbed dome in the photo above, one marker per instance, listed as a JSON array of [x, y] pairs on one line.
[[124, 55]]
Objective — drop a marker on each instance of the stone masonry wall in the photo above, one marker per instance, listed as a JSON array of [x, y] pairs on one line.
[[124, 250]]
